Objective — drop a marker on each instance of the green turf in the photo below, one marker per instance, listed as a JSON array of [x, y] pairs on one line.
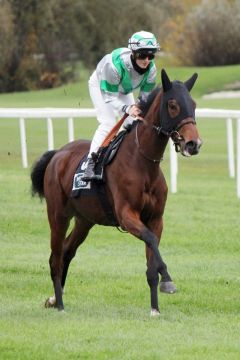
[[76, 95], [107, 297]]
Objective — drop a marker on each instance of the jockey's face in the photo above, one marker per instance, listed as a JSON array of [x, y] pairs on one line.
[[143, 58], [143, 63]]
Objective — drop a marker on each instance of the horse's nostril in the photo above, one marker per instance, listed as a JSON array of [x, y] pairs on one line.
[[192, 147]]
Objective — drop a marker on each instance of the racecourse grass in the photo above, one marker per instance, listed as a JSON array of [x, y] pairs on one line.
[[107, 296]]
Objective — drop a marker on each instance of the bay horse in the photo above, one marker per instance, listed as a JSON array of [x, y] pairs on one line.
[[135, 185]]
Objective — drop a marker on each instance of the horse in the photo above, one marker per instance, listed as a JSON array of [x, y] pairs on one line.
[[135, 186]]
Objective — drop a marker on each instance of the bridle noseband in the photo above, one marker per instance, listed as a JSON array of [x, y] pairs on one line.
[[174, 135]]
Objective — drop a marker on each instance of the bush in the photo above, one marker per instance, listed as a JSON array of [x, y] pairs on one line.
[[208, 35]]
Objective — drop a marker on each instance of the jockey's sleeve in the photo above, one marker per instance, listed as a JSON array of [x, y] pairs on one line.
[[109, 84], [113, 100]]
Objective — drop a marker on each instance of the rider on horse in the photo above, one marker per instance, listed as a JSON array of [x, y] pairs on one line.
[[112, 84]]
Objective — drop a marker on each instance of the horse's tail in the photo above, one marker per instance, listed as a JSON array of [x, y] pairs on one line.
[[38, 171]]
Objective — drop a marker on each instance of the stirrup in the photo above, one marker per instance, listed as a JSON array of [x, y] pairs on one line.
[[89, 173], [92, 176]]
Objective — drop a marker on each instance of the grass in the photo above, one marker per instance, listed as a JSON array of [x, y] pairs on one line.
[[107, 297], [76, 95]]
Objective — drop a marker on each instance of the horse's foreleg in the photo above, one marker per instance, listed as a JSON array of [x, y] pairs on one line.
[[72, 242], [152, 271], [130, 220], [156, 227], [153, 281], [132, 223]]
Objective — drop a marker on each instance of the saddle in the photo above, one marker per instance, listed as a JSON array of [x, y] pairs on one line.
[[102, 158], [106, 154]]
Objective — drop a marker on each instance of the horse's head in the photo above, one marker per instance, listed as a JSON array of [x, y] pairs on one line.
[[177, 114]]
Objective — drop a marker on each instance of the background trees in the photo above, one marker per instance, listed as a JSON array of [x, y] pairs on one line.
[[41, 42], [206, 34]]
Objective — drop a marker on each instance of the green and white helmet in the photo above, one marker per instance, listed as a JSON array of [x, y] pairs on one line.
[[143, 40]]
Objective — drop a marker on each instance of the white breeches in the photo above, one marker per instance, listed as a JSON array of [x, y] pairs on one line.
[[105, 112]]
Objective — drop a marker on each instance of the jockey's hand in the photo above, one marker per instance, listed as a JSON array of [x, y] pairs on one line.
[[134, 111]]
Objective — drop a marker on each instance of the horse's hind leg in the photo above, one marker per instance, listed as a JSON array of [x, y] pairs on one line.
[[59, 225], [70, 245], [72, 242]]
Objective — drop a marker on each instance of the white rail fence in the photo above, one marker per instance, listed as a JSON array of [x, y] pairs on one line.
[[70, 114]]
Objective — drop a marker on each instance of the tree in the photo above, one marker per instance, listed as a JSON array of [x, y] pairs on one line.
[[42, 41], [106, 24], [7, 44], [205, 34]]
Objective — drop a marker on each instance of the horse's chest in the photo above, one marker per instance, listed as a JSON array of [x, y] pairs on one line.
[[155, 195], [152, 202]]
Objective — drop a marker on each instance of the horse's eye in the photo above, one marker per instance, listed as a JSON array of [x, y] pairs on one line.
[[173, 108]]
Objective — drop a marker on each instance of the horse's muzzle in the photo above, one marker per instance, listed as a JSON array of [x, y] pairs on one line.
[[191, 147]]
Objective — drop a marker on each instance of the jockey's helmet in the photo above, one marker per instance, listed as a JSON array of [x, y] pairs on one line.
[[143, 40]]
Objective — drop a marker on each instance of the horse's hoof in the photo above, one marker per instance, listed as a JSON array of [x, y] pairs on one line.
[[50, 302], [154, 313], [167, 287], [62, 311]]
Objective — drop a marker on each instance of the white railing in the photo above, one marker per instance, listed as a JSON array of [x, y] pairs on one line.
[[70, 114]]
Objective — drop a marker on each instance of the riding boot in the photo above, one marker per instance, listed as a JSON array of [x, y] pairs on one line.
[[89, 173]]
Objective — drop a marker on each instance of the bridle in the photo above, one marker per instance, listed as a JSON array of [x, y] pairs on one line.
[[174, 135]]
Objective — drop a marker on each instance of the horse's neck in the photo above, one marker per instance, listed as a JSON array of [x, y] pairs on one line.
[[151, 143], [152, 116], [154, 143]]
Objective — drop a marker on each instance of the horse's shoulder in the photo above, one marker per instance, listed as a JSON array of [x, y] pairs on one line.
[[160, 184]]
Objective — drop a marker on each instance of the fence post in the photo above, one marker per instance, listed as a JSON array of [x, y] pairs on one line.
[[238, 158], [70, 129], [50, 134], [23, 142], [230, 146]]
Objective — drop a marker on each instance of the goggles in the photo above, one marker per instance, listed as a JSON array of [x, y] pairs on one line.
[[144, 55]]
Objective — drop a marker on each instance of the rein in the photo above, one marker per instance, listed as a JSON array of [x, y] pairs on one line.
[[140, 150]]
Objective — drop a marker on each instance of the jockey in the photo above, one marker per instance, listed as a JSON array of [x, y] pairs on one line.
[[112, 84]]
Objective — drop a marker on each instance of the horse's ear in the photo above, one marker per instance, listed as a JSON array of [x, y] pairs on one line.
[[166, 83], [190, 82]]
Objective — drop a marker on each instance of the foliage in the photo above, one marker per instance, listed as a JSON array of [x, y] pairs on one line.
[[7, 45], [41, 48], [104, 25], [206, 34], [42, 41]]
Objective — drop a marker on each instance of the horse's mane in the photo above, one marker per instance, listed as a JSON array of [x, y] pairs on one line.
[[144, 105]]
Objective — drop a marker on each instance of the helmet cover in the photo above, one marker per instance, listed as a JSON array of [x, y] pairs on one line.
[[143, 40]]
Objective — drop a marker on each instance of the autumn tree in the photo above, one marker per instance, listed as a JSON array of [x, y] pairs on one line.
[[204, 33]]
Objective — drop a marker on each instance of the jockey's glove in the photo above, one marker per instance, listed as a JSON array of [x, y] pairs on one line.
[[132, 110]]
